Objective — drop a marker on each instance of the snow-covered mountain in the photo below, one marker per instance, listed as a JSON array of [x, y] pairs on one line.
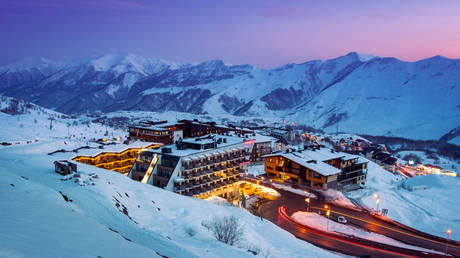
[[354, 93]]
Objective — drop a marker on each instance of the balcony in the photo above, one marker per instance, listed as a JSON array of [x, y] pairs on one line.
[[180, 188], [353, 168], [344, 177]]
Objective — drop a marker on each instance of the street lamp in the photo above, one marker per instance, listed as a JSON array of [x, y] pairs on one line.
[[307, 200], [448, 234], [328, 214], [377, 201], [271, 183]]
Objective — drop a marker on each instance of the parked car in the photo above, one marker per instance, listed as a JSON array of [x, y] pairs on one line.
[[342, 219]]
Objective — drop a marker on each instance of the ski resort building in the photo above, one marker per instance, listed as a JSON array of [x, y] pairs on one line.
[[198, 167], [118, 161], [161, 131], [317, 167], [150, 131], [261, 145]]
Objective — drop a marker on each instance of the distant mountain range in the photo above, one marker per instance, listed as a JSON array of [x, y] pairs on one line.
[[353, 93]]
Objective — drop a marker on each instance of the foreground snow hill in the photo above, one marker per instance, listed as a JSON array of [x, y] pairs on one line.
[[427, 203], [105, 214]]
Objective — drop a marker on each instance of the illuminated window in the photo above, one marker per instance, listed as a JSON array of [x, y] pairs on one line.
[[281, 162]]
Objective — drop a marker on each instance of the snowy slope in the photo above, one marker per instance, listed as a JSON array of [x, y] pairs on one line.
[[433, 208], [25, 122], [37, 221]]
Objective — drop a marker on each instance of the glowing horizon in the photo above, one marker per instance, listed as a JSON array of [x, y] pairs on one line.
[[261, 33]]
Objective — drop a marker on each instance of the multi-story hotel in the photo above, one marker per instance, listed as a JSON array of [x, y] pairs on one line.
[[199, 167], [317, 167]]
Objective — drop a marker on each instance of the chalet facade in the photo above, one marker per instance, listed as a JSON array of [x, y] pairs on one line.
[[318, 168]]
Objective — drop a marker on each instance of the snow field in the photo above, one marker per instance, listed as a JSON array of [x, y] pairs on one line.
[[39, 222], [433, 209]]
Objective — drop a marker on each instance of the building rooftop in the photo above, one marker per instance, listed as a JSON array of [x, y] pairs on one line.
[[160, 127], [321, 154], [315, 165], [304, 159], [94, 149], [314, 160], [263, 138], [347, 156], [232, 143]]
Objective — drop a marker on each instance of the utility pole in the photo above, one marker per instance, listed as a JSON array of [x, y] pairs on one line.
[[448, 234], [328, 214], [51, 122]]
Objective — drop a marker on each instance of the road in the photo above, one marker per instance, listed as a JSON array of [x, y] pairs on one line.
[[405, 172], [293, 203]]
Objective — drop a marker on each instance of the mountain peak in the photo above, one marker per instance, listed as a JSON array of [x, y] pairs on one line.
[[361, 56], [215, 62], [127, 62], [27, 64]]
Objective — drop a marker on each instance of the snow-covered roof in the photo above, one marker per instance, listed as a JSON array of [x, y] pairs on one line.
[[107, 148], [201, 141], [317, 166], [309, 162], [263, 138], [347, 156], [233, 142], [321, 154], [159, 127]]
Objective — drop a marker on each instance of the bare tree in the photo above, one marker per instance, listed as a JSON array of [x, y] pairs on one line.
[[226, 229]]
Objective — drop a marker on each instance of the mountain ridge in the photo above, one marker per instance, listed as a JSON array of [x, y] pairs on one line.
[[354, 92]]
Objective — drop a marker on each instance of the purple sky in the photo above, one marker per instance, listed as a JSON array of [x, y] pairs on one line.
[[263, 33]]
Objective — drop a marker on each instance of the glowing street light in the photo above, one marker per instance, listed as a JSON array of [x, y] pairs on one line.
[[448, 234], [377, 201], [307, 200], [328, 214]]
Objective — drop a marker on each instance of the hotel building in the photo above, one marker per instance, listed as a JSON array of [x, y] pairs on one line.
[[198, 167]]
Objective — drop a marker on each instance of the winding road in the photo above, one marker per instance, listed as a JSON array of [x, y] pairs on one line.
[[292, 202]]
